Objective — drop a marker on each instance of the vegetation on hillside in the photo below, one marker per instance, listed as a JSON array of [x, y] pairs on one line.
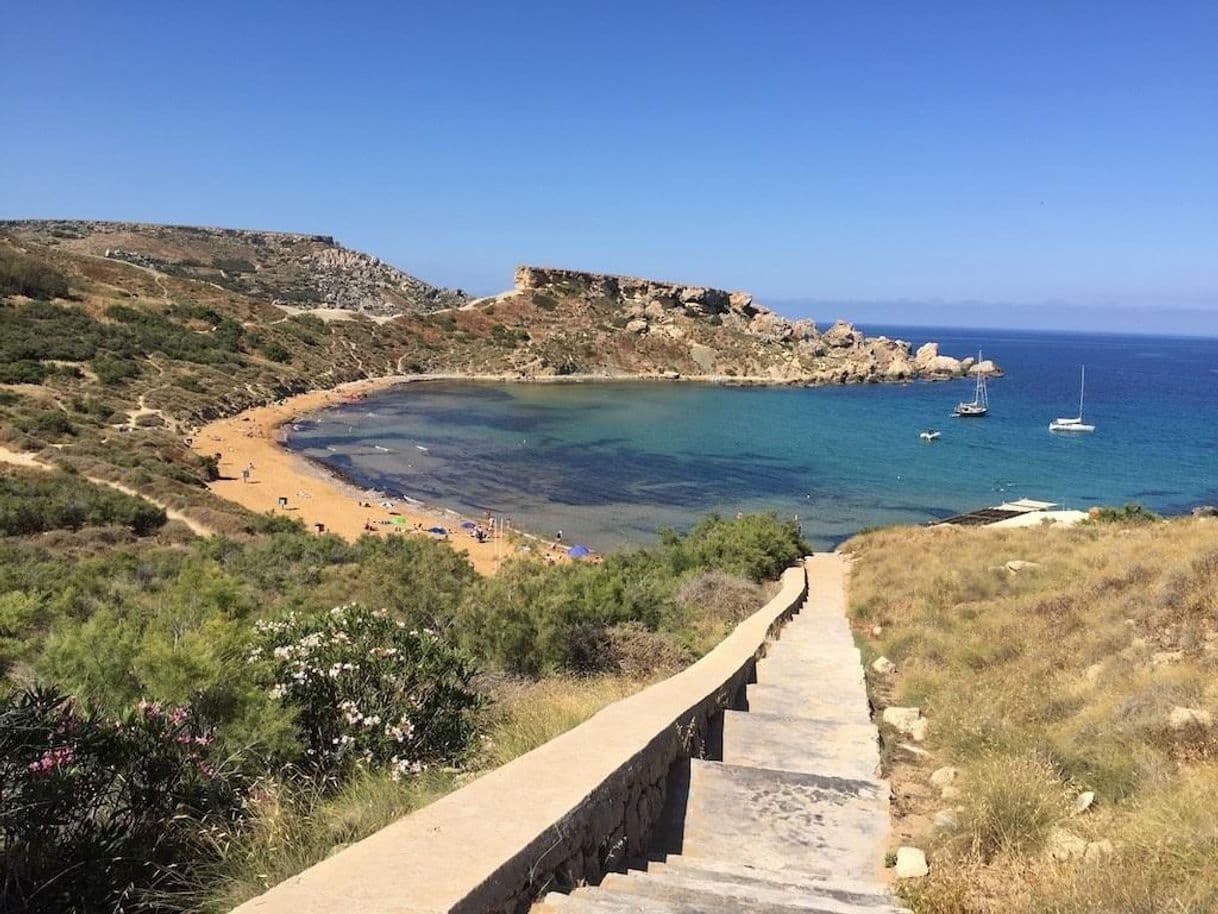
[[1091, 671], [321, 687]]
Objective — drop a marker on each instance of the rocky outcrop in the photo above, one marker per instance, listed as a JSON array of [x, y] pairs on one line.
[[729, 334], [287, 268]]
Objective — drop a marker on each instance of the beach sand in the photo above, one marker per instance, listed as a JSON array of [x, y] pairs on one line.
[[252, 440]]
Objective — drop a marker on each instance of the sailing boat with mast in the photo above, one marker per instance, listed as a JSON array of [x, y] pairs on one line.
[[1076, 424], [981, 400]]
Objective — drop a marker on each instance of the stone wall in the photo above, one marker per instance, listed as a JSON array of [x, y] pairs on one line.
[[570, 810]]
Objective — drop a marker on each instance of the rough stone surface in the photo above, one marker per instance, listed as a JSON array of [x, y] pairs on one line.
[[944, 777], [883, 666], [911, 863], [1064, 845], [1084, 801], [907, 721], [1181, 718]]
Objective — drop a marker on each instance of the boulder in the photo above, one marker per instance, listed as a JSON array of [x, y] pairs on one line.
[[908, 721], [883, 666], [985, 367], [1064, 845], [876, 631], [911, 863], [926, 353], [1084, 801], [945, 776], [1017, 565], [1205, 511], [946, 819], [1182, 718], [638, 325], [842, 335]]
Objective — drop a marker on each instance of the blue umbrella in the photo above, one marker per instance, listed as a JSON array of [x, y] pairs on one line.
[[578, 552], [468, 525], [439, 530]]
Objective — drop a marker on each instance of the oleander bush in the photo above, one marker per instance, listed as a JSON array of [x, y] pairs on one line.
[[367, 691], [100, 813]]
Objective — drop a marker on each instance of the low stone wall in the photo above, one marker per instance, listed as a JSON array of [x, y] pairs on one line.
[[570, 810]]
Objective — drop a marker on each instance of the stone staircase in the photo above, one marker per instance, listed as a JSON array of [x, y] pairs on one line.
[[794, 819]]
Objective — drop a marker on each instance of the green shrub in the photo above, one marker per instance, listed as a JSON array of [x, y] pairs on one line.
[[23, 371], [1131, 513], [97, 814], [34, 504], [368, 691], [22, 275], [111, 371], [276, 353]]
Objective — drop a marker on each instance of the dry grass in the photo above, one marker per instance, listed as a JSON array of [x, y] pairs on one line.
[[1045, 683]]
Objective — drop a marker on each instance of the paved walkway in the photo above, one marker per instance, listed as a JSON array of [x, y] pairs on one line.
[[794, 819]]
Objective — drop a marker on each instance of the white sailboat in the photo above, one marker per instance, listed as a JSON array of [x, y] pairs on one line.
[[1076, 424], [981, 401]]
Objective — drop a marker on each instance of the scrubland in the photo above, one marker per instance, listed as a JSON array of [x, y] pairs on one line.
[[1091, 670]]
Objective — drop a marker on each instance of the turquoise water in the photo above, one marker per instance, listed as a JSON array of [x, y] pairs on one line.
[[609, 463]]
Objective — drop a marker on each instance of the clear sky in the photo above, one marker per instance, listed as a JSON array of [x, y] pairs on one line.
[[912, 156]]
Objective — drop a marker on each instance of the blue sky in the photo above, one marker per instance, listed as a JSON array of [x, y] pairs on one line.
[[1019, 161]]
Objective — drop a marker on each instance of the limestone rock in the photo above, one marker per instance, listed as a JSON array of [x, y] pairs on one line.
[[1205, 511], [638, 325], [911, 863], [876, 631], [842, 335], [883, 666], [985, 367], [908, 721], [1064, 845], [1084, 801], [946, 819], [1092, 673], [1017, 565], [1182, 718], [945, 776]]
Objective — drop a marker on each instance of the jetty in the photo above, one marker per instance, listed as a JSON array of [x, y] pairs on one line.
[[1025, 512], [747, 782]]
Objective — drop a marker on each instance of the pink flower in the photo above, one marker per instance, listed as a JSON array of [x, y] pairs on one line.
[[55, 758]]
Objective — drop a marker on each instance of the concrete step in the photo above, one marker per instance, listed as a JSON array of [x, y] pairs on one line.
[[846, 707], [800, 744], [810, 675], [828, 884], [785, 820], [707, 893]]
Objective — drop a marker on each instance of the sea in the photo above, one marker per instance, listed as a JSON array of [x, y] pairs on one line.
[[611, 463]]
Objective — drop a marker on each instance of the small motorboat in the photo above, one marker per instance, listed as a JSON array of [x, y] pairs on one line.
[[931, 434], [1076, 423]]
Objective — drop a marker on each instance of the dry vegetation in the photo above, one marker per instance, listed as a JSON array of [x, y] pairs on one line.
[[1040, 685]]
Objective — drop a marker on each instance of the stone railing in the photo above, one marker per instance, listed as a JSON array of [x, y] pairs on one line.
[[568, 811]]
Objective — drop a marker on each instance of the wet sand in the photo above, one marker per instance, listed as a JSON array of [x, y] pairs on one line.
[[252, 440]]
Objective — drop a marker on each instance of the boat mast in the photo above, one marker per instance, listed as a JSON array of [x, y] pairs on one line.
[[1082, 385]]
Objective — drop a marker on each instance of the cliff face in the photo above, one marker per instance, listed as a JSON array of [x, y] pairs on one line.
[[705, 331], [309, 271]]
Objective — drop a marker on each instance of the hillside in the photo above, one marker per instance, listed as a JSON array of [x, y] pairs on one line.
[[117, 340], [1061, 754]]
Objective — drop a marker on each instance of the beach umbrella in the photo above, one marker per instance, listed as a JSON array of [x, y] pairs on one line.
[[578, 551], [468, 525], [440, 530]]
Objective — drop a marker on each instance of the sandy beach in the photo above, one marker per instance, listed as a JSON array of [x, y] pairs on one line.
[[251, 441]]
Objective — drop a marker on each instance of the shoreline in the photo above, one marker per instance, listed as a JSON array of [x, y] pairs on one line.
[[254, 440]]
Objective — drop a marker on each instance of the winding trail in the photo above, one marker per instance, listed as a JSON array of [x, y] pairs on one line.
[[794, 818], [30, 461]]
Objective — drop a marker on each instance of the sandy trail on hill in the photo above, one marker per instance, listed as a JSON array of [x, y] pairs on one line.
[[252, 439]]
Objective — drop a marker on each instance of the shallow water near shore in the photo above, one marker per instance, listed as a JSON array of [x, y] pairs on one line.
[[609, 463]]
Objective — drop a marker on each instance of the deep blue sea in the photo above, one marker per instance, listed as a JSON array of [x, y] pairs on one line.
[[611, 462]]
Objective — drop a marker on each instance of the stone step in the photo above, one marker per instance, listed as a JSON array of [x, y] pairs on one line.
[[859, 890], [848, 707], [672, 901], [800, 744], [785, 820], [687, 888], [798, 674]]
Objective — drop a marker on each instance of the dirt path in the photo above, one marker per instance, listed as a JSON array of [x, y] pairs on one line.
[[22, 459]]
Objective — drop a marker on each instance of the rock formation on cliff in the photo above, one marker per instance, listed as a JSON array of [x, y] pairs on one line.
[[696, 330], [307, 271]]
